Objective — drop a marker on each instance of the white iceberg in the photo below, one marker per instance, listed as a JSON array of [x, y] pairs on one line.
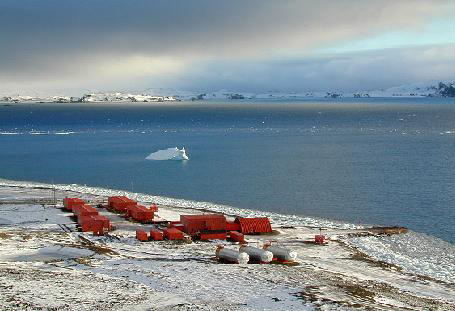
[[168, 154]]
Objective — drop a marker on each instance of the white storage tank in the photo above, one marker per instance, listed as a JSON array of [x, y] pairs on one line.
[[230, 255], [257, 254], [281, 253]]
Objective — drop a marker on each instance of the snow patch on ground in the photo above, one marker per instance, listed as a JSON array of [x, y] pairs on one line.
[[414, 252], [48, 253], [30, 214]]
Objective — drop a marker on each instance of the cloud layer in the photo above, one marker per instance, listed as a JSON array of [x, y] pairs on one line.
[[96, 43], [366, 70]]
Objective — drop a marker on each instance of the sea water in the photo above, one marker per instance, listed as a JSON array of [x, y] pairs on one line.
[[369, 161]]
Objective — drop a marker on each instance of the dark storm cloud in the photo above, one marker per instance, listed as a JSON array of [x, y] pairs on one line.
[[77, 42], [367, 70]]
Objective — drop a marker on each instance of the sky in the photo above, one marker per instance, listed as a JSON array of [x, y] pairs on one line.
[[71, 47]]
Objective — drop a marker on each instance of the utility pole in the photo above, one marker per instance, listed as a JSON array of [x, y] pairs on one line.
[[53, 190]]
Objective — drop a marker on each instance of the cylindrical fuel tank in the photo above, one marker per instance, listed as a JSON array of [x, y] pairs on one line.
[[281, 253], [257, 254], [231, 255]]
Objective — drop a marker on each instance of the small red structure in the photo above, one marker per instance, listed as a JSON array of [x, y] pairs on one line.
[[205, 236], [153, 207], [76, 209], [140, 213], [254, 225], [194, 224], [82, 219], [90, 223], [70, 203], [97, 227], [104, 220], [96, 223], [141, 235], [120, 203], [85, 210], [236, 236], [86, 225], [173, 234], [232, 226], [156, 235], [319, 239], [177, 226]]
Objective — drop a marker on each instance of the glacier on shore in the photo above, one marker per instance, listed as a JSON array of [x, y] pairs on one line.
[[168, 154]]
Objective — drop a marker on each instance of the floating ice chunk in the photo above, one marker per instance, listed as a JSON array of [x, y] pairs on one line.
[[48, 253], [168, 154], [64, 133]]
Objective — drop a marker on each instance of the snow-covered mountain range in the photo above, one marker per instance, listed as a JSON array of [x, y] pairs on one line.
[[424, 89], [428, 89], [91, 98]]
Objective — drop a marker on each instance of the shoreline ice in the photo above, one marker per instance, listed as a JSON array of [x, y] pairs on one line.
[[276, 218]]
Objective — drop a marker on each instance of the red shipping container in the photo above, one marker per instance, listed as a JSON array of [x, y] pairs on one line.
[[213, 236], [176, 225], [97, 227], [127, 202], [198, 223], [104, 220], [117, 204], [135, 211], [82, 219], [216, 223], [86, 210], [254, 225], [156, 235], [141, 235], [86, 226], [192, 224], [128, 212], [319, 239], [173, 234], [232, 226], [77, 208], [120, 203], [237, 236], [179, 226], [89, 223], [110, 201], [67, 203], [140, 213], [70, 203]]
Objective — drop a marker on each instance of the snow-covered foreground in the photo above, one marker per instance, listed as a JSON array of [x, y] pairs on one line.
[[43, 266]]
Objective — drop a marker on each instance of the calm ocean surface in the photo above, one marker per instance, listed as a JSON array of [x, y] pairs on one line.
[[375, 161]]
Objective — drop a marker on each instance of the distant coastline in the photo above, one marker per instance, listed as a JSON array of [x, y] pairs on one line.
[[438, 89]]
